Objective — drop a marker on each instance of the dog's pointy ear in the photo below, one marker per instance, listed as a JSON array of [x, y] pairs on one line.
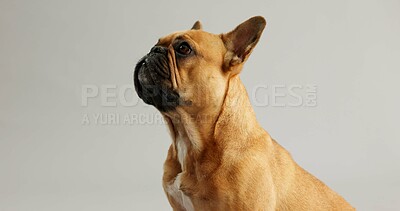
[[197, 26], [242, 40]]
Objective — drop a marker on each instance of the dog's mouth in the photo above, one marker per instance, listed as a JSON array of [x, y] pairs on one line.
[[152, 80]]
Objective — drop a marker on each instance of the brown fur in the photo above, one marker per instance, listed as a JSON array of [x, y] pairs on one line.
[[231, 162]]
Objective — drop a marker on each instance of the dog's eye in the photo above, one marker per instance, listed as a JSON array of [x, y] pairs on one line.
[[184, 49]]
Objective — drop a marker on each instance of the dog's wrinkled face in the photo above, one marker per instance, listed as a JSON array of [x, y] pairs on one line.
[[191, 69], [152, 80], [183, 69]]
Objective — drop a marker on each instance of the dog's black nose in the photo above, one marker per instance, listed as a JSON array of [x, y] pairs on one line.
[[158, 49]]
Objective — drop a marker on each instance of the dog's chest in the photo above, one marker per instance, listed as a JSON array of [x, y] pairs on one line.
[[173, 189], [182, 150]]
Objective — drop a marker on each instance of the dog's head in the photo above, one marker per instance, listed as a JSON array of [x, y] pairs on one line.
[[191, 69]]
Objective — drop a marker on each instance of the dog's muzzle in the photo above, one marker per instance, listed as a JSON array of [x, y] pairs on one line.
[[152, 79]]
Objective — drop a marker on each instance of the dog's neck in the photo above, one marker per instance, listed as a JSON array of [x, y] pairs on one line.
[[191, 134], [237, 115]]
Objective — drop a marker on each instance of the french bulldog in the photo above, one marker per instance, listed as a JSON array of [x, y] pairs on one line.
[[220, 157]]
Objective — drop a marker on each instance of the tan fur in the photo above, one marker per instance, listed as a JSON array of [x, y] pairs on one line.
[[231, 162]]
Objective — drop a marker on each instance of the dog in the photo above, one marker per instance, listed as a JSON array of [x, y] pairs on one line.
[[220, 157]]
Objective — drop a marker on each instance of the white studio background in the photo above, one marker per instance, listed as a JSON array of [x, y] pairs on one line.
[[52, 50]]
